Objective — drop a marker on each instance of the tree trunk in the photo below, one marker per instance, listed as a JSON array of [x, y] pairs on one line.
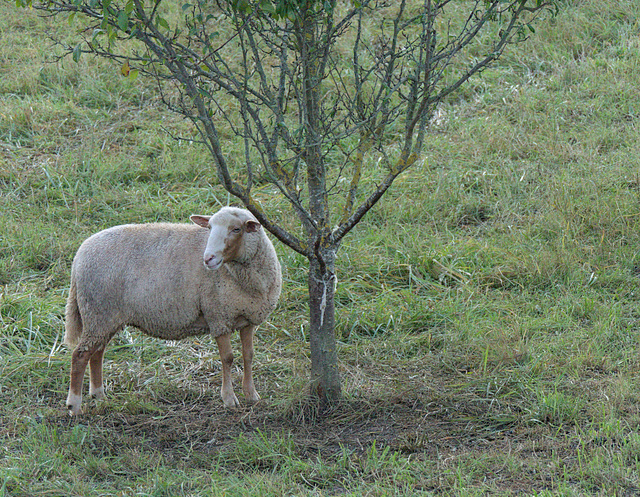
[[325, 377]]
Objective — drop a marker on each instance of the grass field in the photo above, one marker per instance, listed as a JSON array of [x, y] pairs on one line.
[[488, 315]]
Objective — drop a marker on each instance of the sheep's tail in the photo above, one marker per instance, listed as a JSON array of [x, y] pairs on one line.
[[73, 320]]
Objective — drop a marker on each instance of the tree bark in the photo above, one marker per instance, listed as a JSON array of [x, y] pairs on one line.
[[325, 377]]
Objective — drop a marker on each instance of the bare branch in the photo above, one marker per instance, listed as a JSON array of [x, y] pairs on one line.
[[303, 121]]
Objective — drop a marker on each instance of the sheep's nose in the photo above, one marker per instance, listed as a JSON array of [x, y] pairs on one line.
[[212, 262]]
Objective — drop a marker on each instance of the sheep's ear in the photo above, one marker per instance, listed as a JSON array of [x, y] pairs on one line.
[[201, 220], [252, 226]]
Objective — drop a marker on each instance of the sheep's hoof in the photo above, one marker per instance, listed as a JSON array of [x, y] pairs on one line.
[[73, 404], [74, 410], [230, 401], [98, 393], [253, 397]]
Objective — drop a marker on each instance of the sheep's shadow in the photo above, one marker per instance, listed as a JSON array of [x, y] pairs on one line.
[[410, 425]]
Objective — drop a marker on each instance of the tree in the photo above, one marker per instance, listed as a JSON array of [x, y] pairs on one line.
[[333, 100]]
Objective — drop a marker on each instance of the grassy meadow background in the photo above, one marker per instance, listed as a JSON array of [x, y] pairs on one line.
[[488, 310]]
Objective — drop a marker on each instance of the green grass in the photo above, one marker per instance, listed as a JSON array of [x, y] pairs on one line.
[[488, 310]]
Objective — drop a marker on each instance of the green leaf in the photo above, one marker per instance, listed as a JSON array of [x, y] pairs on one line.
[[96, 33], [123, 20], [205, 93], [77, 52], [162, 22], [241, 6], [268, 7]]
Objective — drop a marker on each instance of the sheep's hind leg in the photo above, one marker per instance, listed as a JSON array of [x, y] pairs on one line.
[[249, 389], [226, 357], [79, 360], [96, 387]]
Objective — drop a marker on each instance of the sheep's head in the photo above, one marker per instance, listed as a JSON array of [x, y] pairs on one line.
[[230, 230]]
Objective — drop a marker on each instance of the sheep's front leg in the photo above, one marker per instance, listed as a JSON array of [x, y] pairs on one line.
[[249, 389], [226, 357]]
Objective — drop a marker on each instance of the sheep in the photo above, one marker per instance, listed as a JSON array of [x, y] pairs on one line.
[[171, 281]]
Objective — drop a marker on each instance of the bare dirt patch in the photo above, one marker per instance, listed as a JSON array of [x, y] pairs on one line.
[[409, 425]]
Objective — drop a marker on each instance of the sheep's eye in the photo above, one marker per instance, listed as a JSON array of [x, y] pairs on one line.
[[235, 230]]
